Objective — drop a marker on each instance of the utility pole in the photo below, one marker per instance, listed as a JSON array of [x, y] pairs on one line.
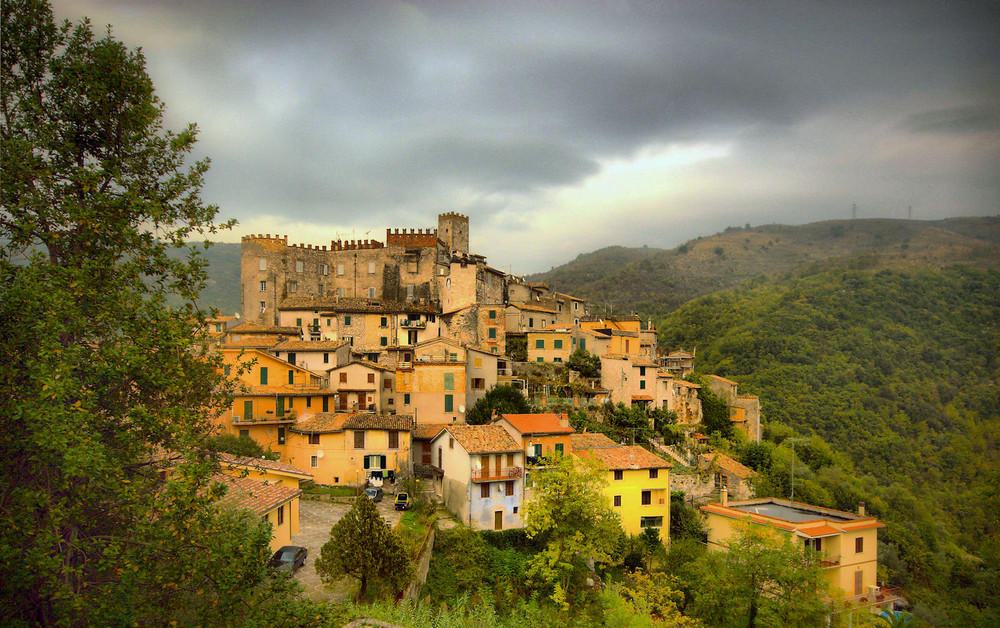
[[854, 211], [909, 212]]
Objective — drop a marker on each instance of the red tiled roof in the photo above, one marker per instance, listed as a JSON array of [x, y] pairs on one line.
[[538, 423], [428, 431], [329, 422], [252, 390], [260, 463], [249, 327], [339, 304], [818, 531], [727, 464], [626, 457], [482, 439], [592, 440], [641, 398], [259, 497], [253, 341]]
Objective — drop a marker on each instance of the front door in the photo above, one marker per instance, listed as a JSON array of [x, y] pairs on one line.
[[498, 520], [342, 402], [857, 583], [362, 402], [426, 458]]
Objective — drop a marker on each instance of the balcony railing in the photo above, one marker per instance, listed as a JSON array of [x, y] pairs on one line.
[[412, 324], [494, 475], [876, 596]]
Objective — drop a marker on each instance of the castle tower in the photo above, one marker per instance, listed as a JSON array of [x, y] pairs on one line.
[[453, 230]]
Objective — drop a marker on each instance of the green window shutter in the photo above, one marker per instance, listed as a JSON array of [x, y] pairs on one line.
[[347, 320], [539, 359], [583, 343], [263, 376], [559, 448], [298, 322], [315, 322], [539, 344], [385, 321], [280, 407], [367, 462], [449, 403], [383, 461], [291, 376], [326, 403], [557, 344], [493, 314], [385, 341], [406, 399], [247, 410], [449, 381], [642, 384], [493, 333]]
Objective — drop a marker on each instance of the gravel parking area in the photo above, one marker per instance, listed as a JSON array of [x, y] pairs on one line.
[[315, 520]]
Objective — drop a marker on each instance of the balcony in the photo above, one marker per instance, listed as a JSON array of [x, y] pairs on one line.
[[493, 475], [882, 597], [412, 324]]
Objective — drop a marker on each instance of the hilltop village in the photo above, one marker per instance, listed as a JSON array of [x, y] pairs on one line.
[[358, 364]]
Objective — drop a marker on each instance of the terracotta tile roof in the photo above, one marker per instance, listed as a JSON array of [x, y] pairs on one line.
[[362, 362], [727, 464], [325, 422], [724, 380], [336, 304], [259, 497], [482, 439], [679, 354], [229, 460], [645, 362], [366, 421], [220, 319], [642, 398], [249, 327], [563, 294], [819, 531], [686, 384], [310, 345], [253, 342], [548, 423], [427, 431], [592, 440], [626, 457], [532, 308], [253, 390], [322, 422]]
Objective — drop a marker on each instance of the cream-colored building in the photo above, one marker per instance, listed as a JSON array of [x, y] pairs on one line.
[[480, 475], [315, 355], [363, 386]]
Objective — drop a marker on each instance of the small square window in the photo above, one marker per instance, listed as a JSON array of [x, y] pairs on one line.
[[263, 286], [313, 461], [654, 473], [618, 501], [314, 439], [371, 378], [619, 474], [343, 378], [299, 267], [347, 320]]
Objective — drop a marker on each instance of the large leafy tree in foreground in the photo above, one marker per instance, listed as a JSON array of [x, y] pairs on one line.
[[569, 514], [99, 378]]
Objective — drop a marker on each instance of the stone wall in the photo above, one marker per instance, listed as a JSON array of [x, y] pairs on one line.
[[423, 566]]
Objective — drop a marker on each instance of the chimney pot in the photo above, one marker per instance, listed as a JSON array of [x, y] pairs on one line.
[[861, 508], [725, 496]]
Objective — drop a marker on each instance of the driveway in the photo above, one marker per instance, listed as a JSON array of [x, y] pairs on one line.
[[315, 520]]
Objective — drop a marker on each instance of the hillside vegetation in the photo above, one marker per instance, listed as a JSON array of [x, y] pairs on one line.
[[898, 371], [652, 282]]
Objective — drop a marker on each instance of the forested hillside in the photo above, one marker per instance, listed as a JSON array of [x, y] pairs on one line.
[[652, 282], [898, 371]]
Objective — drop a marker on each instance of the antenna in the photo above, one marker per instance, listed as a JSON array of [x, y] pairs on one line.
[[909, 212], [854, 211]]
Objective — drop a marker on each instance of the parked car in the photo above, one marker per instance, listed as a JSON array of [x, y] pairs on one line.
[[402, 501], [374, 493], [289, 558]]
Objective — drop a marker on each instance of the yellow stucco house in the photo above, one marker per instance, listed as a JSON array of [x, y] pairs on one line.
[[638, 486], [274, 502], [846, 540], [349, 448]]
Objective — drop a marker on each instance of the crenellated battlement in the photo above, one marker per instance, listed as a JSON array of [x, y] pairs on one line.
[[454, 215], [411, 237], [355, 245]]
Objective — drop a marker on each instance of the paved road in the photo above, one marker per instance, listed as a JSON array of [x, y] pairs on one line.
[[315, 520]]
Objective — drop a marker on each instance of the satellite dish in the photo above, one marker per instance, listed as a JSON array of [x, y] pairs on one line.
[[461, 408]]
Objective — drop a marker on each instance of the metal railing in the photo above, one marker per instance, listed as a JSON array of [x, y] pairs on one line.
[[486, 475]]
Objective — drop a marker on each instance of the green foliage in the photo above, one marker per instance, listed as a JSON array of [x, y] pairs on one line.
[[503, 399], [99, 376], [897, 372], [629, 424], [656, 595], [517, 347], [466, 563], [714, 411], [363, 546], [569, 512], [685, 521], [586, 363], [764, 579], [240, 446]]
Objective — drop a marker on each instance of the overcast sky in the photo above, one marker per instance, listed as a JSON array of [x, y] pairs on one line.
[[561, 127]]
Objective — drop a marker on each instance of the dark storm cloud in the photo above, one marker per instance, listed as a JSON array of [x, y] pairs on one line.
[[383, 113]]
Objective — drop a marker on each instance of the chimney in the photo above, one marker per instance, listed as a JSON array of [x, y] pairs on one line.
[[724, 496], [563, 420], [861, 508], [493, 416]]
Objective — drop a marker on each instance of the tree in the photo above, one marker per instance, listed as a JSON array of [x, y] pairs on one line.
[[240, 446], [764, 579], [99, 375], [504, 399], [586, 363], [363, 546], [570, 514]]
